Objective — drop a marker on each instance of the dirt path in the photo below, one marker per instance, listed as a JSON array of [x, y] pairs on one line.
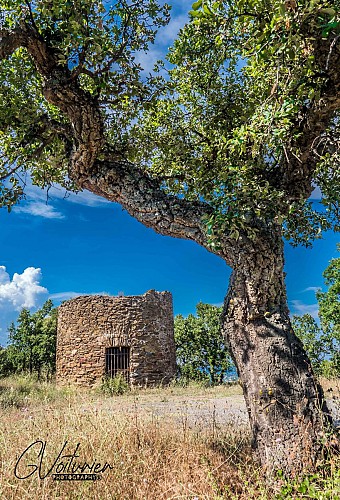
[[202, 412], [194, 410]]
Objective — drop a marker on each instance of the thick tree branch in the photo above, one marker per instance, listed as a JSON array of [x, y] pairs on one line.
[[141, 196], [60, 90], [297, 169], [10, 41], [10, 172]]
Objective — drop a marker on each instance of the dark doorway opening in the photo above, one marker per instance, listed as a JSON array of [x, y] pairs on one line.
[[117, 362]]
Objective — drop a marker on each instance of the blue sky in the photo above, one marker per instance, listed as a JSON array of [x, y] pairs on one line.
[[84, 244]]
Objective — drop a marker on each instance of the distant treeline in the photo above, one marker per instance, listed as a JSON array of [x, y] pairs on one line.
[[32, 343], [201, 351]]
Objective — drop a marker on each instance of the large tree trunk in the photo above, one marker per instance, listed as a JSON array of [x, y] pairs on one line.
[[288, 416]]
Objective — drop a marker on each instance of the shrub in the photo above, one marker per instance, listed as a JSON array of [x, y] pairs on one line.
[[22, 390], [114, 386]]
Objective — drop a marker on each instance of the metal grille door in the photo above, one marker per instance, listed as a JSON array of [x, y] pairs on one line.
[[117, 362]]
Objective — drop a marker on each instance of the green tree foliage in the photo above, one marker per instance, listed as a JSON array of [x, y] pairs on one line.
[[322, 343], [201, 352], [215, 130], [329, 301], [6, 365], [228, 127], [315, 344], [96, 44], [32, 342]]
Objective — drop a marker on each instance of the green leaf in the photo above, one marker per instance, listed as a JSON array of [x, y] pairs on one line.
[[195, 13], [197, 5], [207, 10]]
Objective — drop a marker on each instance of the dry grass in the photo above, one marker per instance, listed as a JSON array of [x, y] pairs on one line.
[[153, 457]]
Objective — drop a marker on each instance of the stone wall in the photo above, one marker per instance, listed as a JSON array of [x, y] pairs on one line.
[[87, 325]]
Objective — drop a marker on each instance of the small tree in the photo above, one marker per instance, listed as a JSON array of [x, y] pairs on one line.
[[322, 343], [32, 341], [308, 331], [6, 365], [329, 310], [201, 351]]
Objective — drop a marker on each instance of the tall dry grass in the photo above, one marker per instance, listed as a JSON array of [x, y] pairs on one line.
[[153, 457]]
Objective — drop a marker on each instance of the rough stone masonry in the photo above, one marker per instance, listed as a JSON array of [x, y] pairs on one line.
[[88, 326]]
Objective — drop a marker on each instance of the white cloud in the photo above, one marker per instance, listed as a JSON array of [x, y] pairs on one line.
[[312, 289], [300, 308], [22, 291], [39, 202], [40, 209], [164, 40], [87, 198], [148, 59], [60, 296], [56, 192], [168, 34]]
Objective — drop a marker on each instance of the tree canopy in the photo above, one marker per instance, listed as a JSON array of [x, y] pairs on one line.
[[243, 110], [32, 343], [91, 49], [215, 130], [322, 343], [201, 351], [329, 301]]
